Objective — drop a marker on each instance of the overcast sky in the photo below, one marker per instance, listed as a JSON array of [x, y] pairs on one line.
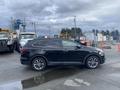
[[89, 13]]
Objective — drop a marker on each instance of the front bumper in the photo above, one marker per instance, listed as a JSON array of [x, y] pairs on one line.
[[3, 46], [102, 61], [3, 49]]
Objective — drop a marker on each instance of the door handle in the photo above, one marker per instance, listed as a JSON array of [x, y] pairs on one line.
[[66, 50]]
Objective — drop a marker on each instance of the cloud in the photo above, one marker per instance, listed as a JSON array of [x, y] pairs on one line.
[[61, 12], [24, 8]]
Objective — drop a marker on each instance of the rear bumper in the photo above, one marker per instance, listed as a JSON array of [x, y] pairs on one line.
[[25, 61]]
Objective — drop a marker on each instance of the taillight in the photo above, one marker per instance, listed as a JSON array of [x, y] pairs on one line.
[[23, 50]]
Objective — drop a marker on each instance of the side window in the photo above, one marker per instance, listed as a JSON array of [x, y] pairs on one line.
[[47, 43], [52, 43], [69, 43], [39, 43]]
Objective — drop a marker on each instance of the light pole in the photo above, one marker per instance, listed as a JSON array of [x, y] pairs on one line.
[[49, 27], [24, 25], [75, 26], [12, 23], [34, 26]]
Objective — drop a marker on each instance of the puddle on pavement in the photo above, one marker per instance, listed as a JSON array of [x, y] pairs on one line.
[[43, 77], [48, 76]]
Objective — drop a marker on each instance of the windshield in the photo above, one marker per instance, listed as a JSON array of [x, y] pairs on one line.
[[3, 35], [27, 36]]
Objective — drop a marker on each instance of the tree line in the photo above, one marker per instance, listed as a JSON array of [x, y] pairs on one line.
[[114, 33], [71, 32], [78, 32]]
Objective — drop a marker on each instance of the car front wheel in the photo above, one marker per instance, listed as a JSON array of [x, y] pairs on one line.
[[38, 63], [92, 62]]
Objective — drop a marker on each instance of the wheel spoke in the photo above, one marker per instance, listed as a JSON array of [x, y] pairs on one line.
[[38, 64], [93, 62]]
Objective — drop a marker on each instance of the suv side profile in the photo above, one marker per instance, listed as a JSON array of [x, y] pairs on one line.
[[39, 53]]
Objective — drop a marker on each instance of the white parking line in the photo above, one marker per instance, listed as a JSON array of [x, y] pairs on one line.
[[76, 83], [81, 81], [71, 83]]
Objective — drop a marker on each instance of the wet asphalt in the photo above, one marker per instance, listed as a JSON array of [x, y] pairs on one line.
[[14, 76]]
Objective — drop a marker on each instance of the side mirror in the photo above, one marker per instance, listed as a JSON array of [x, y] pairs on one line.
[[78, 46]]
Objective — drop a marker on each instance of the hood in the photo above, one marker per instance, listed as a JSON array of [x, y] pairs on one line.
[[93, 48]]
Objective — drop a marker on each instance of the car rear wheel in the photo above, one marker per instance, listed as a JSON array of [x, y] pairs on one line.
[[38, 64], [92, 62]]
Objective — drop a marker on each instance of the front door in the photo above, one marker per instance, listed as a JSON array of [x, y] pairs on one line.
[[71, 52], [54, 54]]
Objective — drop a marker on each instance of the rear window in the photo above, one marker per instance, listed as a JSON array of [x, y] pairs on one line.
[[39, 43], [27, 36], [29, 43]]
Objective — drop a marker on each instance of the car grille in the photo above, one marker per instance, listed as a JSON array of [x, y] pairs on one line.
[[3, 43]]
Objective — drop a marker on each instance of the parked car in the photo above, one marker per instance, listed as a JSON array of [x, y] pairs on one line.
[[24, 37], [7, 42], [40, 53]]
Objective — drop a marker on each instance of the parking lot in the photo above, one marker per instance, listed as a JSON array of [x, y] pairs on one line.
[[14, 75]]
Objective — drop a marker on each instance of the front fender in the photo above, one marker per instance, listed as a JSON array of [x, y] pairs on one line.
[[91, 54]]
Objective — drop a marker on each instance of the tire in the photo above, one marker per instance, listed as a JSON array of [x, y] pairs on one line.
[[38, 64], [92, 62], [11, 48]]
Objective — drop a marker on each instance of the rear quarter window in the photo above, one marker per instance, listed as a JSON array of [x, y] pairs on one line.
[[29, 43], [38, 43], [53, 43]]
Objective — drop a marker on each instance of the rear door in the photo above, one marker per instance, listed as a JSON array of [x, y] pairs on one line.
[[54, 51]]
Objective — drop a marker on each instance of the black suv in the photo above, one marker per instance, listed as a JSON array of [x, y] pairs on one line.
[[40, 53]]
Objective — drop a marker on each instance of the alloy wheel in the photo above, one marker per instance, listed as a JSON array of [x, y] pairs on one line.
[[92, 62], [38, 64]]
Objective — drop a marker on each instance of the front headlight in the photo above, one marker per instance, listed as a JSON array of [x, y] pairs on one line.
[[9, 42], [22, 43], [101, 53], [98, 49]]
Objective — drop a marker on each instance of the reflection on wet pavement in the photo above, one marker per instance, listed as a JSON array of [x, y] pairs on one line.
[[42, 78], [49, 76]]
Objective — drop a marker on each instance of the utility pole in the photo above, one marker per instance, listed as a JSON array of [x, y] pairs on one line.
[[75, 26], [34, 25], [66, 35], [24, 25], [49, 28], [12, 23]]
